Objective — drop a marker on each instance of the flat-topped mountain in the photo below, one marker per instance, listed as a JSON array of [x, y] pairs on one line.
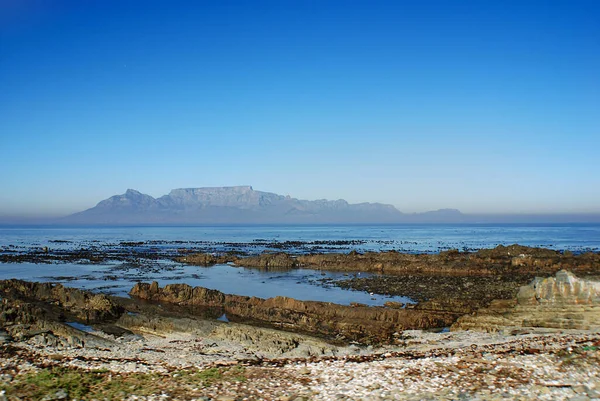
[[241, 205]]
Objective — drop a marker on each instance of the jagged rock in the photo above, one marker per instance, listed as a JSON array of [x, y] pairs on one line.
[[248, 341], [560, 302], [501, 260], [265, 342], [85, 305], [270, 261], [36, 312], [204, 259], [40, 324], [156, 323], [564, 289], [352, 323]]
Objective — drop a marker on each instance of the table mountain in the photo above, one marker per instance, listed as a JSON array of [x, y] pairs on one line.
[[240, 205]]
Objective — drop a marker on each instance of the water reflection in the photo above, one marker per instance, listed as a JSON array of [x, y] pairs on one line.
[[118, 278]]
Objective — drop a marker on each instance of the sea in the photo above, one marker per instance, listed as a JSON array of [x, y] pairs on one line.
[[119, 272]]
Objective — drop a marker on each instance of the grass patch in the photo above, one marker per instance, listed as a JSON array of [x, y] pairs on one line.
[[210, 375], [74, 384], [86, 385], [53, 380], [238, 374]]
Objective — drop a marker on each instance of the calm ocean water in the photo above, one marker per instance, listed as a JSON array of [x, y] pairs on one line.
[[118, 276], [408, 238]]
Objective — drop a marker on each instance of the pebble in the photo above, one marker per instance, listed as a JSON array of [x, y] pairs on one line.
[[59, 395], [580, 397], [496, 369]]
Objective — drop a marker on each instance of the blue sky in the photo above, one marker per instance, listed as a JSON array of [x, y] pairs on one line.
[[478, 105]]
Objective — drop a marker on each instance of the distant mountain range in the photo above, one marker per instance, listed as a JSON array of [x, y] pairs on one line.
[[244, 205]]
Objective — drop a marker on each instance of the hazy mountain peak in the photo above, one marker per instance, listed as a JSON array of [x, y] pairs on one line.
[[130, 198], [237, 205], [243, 197], [132, 193], [240, 189]]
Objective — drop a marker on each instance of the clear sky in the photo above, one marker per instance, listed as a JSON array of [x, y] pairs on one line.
[[484, 106]]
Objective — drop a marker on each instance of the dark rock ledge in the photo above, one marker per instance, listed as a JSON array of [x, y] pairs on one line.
[[362, 324]]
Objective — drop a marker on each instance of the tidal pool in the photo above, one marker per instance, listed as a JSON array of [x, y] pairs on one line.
[[117, 279]]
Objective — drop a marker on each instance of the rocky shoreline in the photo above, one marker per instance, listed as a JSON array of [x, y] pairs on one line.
[[449, 282], [497, 261], [448, 366], [510, 335], [339, 323]]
